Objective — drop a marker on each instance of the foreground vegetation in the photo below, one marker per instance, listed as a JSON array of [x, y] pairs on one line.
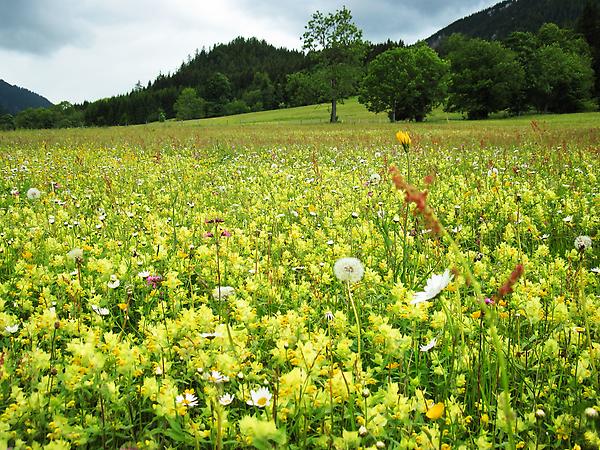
[[175, 285]]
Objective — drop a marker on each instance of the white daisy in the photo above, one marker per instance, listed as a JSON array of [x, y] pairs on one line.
[[260, 397], [12, 329], [114, 282], [429, 346], [226, 399], [100, 311], [435, 285]]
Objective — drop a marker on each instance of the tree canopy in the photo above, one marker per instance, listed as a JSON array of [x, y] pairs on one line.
[[335, 43], [405, 82]]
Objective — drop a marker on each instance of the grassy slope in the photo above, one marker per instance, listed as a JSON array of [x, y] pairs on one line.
[[352, 112]]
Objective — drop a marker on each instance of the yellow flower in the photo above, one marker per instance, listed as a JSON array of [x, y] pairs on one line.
[[435, 412], [403, 138]]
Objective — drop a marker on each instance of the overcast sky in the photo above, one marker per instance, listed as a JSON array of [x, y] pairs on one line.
[[80, 50]]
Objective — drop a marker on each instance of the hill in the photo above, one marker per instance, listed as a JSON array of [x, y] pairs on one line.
[[500, 20], [14, 99]]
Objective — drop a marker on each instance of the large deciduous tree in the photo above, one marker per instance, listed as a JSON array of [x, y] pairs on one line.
[[189, 105], [405, 82], [485, 76], [336, 44]]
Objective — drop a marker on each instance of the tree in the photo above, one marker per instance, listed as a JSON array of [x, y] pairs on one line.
[[557, 69], [189, 105], [335, 43], [405, 82], [484, 76], [561, 81], [589, 26]]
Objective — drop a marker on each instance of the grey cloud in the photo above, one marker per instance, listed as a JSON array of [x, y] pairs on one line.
[[379, 19], [38, 26]]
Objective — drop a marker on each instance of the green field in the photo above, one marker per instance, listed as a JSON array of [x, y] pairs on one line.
[[174, 285]]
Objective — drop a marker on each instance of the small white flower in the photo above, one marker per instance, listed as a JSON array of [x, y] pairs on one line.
[[348, 269], [592, 413], [211, 335], [492, 173], [595, 270], [362, 431], [75, 255], [188, 398], [540, 413], [33, 193], [144, 274], [216, 377], [260, 397], [221, 292], [375, 178], [429, 346], [51, 219], [435, 285], [329, 315], [100, 311], [12, 329], [226, 399], [380, 444], [114, 282], [568, 219], [582, 243]]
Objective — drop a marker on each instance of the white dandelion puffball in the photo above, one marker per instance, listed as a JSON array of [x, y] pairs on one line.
[[348, 269], [75, 255], [582, 243], [435, 285], [221, 292], [33, 193]]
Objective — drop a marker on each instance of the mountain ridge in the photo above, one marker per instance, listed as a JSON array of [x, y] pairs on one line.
[[498, 21], [14, 99]]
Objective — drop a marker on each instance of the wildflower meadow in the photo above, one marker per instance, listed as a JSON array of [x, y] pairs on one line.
[[301, 286]]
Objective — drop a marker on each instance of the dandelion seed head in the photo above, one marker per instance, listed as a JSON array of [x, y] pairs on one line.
[[348, 269]]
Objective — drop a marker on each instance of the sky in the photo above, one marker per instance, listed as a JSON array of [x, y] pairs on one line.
[[78, 50]]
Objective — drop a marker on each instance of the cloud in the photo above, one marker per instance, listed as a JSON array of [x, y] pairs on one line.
[[80, 50], [409, 20]]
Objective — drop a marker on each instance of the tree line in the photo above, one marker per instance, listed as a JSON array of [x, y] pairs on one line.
[[551, 70]]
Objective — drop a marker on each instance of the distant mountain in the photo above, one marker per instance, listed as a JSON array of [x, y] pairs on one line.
[[14, 99], [500, 20]]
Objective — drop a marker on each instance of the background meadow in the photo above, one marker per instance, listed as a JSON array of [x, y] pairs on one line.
[[114, 243]]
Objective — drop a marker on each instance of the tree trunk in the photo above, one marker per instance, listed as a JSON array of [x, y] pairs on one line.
[[333, 118]]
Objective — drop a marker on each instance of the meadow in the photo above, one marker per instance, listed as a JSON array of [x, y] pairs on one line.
[[267, 281]]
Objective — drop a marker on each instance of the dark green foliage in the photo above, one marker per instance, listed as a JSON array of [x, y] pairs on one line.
[[405, 82], [485, 76], [498, 21], [189, 105], [301, 90], [557, 68], [335, 43], [14, 99], [7, 122], [63, 115], [561, 81], [589, 26], [245, 69]]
